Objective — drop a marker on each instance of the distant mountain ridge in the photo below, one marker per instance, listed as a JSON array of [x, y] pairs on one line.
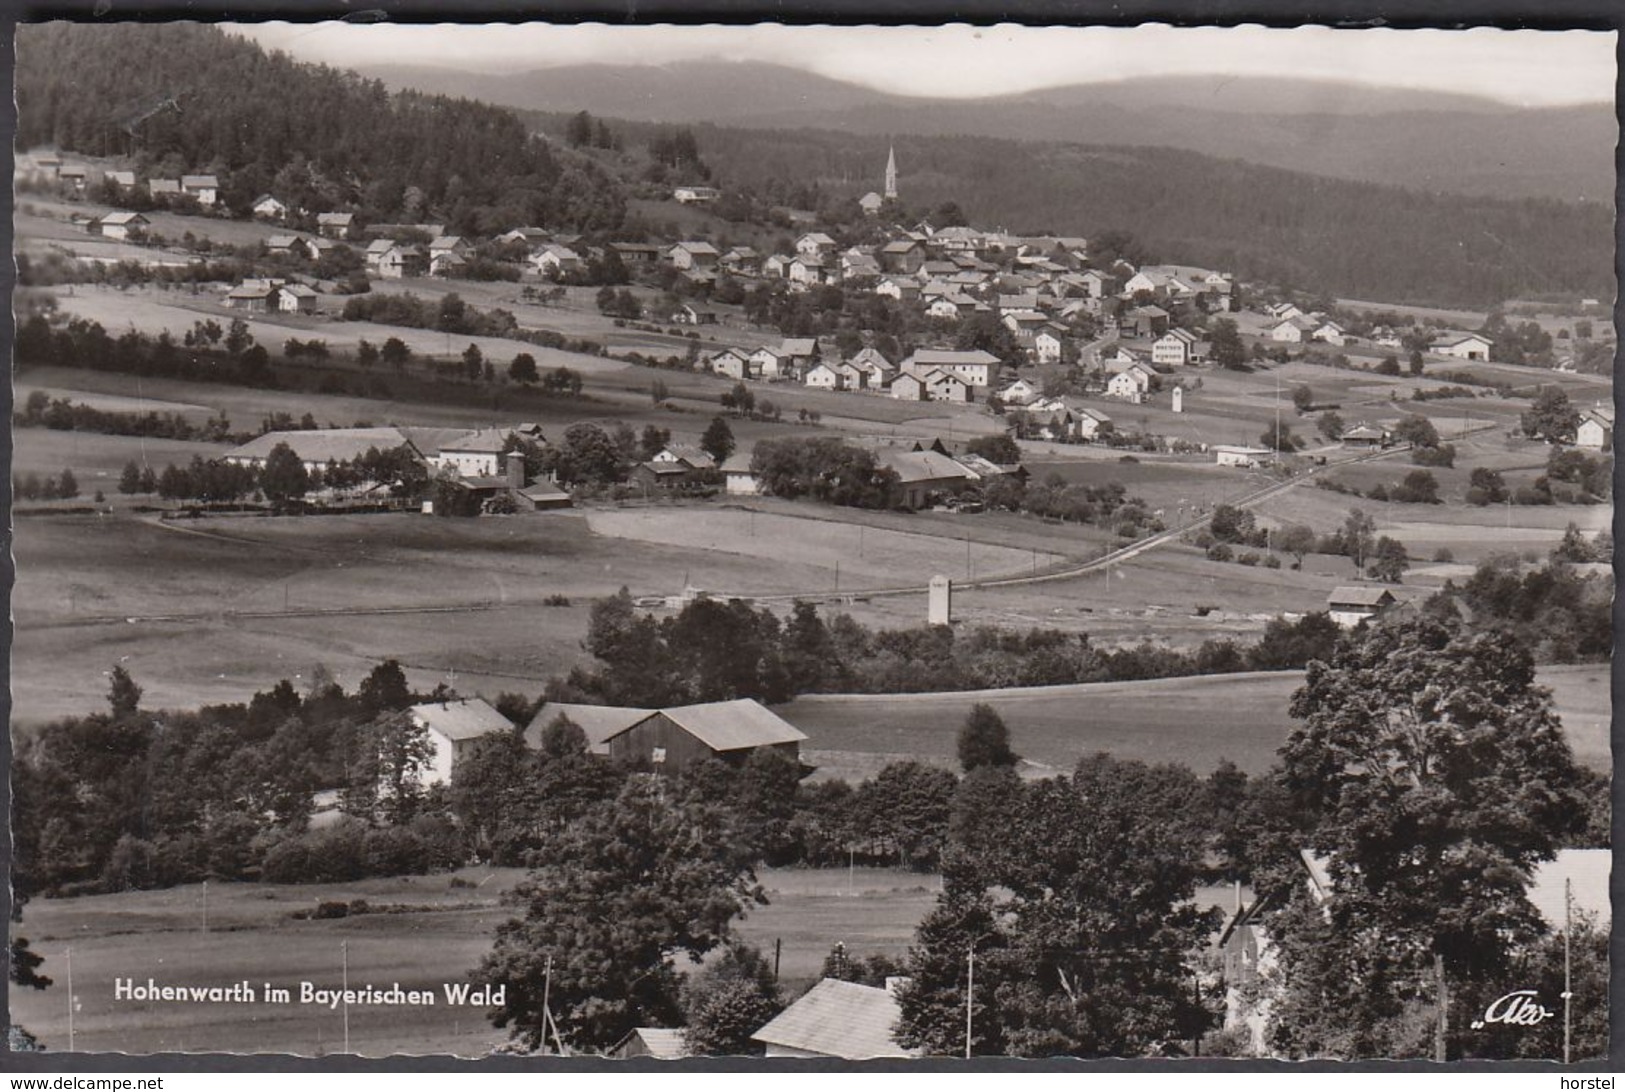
[[1420, 139]]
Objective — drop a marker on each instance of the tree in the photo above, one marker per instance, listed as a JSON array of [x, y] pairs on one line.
[[1231, 524], [123, 695], [1297, 540], [1551, 417], [366, 354], [395, 353], [728, 1001], [997, 448], [984, 740], [1389, 560], [718, 440], [1279, 437], [620, 893], [238, 339], [129, 480], [385, 688], [587, 454], [404, 752], [1416, 430], [1415, 362], [652, 441], [1359, 535], [283, 476], [522, 369], [578, 130], [1226, 346], [659, 392], [1331, 426], [1435, 775], [1084, 951], [1303, 398], [473, 362], [1486, 486], [1417, 487]]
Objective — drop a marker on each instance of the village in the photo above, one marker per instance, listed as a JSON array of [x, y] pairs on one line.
[[774, 565]]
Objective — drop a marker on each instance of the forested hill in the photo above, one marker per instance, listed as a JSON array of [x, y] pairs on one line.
[[1348, 238], [188, 98]]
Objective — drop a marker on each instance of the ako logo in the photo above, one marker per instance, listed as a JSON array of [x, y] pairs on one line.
[[1519, 1008]]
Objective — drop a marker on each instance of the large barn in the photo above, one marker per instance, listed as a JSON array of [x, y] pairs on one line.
[[670, 740]]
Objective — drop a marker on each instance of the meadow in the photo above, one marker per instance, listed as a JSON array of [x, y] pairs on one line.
[[433, 933], [1197, 721]]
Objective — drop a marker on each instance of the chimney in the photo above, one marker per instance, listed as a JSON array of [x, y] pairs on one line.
[[516, 470]]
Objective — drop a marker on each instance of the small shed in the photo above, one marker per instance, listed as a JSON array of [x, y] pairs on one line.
[[1352, 604]]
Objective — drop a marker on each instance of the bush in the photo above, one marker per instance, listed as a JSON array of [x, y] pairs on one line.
[[1443, 455], [393, 851], [1220, 551], [1444, 555], [1272, 562], [1249, 558], [326, 910], [1378, 492]]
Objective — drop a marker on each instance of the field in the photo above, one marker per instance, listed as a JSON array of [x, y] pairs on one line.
[[1196, 721], [439, 936]]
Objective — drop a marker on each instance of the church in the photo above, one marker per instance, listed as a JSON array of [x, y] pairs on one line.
[[871, 202]]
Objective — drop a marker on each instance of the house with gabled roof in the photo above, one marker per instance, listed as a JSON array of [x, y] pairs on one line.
[[204, 188], [814, 244], [1463, 346], [267, 207], [1174, 347], [335, 225], [1596, 429], [836, 1019], [693, 254], [975, 367], [732, 363], [122, 225], [297, 299], [454, 727], [1351, 604], [670, 740]]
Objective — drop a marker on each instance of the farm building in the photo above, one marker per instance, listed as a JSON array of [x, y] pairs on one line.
[[1131, 383], [824, 377], [768, 363], [945, 386], [1364, 435], [1463, 346], [730, 363], [164, 187], [253, 296], [923, 475], [281, 244], [1238, 455], [1047, 346], [663, 1044], [296, 298], [553, 260], [909, 387], [318, 447], [738, 478], [204, 188], [122, 225], [1596, 429], [266, 207], [477, 453], [692, 255], [335, 225], [1089, 423], [453, 727], [836, 1019], [689, 315], [695, 195], [1174, 347], [402, 261], [653, 477], [1351, 605], [670, 740]]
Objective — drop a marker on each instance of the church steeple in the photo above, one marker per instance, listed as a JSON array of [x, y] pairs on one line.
[[891, 174]]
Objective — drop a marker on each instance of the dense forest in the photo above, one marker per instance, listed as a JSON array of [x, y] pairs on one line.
[[1319, 234], [188, 98]]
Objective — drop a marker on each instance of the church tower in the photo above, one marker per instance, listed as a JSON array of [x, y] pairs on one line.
[[891, 174]]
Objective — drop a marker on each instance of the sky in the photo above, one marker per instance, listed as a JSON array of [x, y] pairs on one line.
[[1526, 67]]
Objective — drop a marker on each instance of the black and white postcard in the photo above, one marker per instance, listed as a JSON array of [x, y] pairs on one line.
[[812, 542]]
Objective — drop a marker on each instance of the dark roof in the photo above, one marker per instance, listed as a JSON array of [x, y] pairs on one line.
[[1360, 596]]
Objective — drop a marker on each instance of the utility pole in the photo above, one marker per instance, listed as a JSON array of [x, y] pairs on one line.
[[1444, 1009], [69, 954], [778, 950], [344, 947], [1568, 967], [547, 990], [970, 992]]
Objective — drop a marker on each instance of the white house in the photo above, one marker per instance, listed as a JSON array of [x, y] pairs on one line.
[[266, 207], [121, 225], [823, 377], [738, 478], [1330, 333], [1131, 383], [454, 728], [1174, 347], [1237, 455], [476, 454], [730, 363], [693, 255], [1020, 393], [836, 1019], [814, 244], [1047, 346], [1596, 429], [1463, 346], [767, 363], [1287, 331], [335, 225], [204, 187], [945, 386], [296, 298], [908, 387], [975, 366], [1090, 424], [554, 260]]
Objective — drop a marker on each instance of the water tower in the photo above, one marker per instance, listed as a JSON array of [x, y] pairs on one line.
[[940, 612]]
